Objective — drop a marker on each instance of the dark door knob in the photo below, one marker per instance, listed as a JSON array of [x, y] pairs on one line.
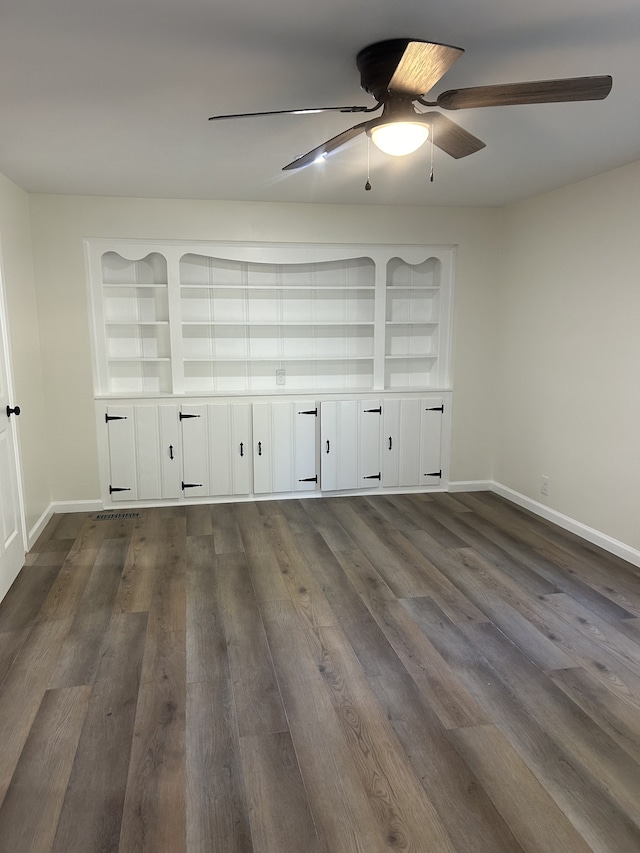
[[14, 411]]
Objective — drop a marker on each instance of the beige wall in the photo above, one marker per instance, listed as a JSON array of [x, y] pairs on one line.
[[15, 236], [60, 223], [569, 315]]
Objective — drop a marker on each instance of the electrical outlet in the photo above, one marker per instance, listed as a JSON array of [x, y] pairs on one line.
[[280, 377], [544, 485]]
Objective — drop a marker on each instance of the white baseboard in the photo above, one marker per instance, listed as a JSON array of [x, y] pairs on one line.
[[471, 486], [39, 526], [596, 537], [59, 506]]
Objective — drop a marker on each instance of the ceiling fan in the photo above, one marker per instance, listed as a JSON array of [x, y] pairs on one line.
[[398, 73]]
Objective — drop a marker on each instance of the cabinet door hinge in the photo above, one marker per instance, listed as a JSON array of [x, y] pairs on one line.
[[435, 409], [113, 489]]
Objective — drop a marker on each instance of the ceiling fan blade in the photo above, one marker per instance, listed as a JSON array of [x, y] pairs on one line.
[[327, 147], [540, 92], [301, 112], [422, 64], [450, 137]]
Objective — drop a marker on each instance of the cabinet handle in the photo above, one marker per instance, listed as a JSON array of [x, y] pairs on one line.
[[14, 411], [372, 477], [328, 446], [378, 411], [241, 449], [390, 443], [259, 448], [113, 489]]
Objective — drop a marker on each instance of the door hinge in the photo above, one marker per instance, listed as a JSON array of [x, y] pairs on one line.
[[309, 479], [182, 416], [377, 476], [113, 489], [310, 412], [436, 409], [434, 474], [108, 418], [377, 411], [184, 485]]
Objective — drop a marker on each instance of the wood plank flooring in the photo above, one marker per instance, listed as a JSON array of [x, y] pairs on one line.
[[422, 673]]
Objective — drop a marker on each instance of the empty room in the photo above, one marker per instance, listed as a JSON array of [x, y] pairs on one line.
[[319, 406]]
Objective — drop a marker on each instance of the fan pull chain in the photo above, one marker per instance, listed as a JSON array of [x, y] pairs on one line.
[[367, 186], [431, 173]]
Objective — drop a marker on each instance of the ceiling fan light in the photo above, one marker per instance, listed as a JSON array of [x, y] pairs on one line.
[[399, 137]]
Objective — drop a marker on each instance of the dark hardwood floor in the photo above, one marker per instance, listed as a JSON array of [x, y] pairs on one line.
[[420, 673]]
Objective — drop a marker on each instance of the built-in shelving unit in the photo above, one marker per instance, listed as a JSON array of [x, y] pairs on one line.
[[261, 326], [195, 319]]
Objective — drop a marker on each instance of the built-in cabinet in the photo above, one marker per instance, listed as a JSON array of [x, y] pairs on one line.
[[233, 370], [216, 449], [143, 451], [284, 447], [198, 451]]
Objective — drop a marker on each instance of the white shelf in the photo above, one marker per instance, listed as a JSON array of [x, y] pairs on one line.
[[135, 358], [272, 359], [276, 323], [284, 287], [174, 320], [136, 323], [132, 285]]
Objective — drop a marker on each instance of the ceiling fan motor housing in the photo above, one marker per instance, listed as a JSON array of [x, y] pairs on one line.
[[377, 64]]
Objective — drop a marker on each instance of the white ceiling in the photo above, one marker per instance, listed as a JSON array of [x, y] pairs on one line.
[[111, 97]]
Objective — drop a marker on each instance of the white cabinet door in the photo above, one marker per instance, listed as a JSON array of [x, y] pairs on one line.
[[143, 452], [431, 453], [401, 442], [411, 442], [339, 445], [216, 441], [350, 444], [284, 447], [370, 422], [195, 451], [122, 453]]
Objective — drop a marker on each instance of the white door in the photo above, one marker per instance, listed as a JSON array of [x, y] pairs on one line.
[[431, 453], [403, 422], [216, 449], [339, 445], [122, 453], [12, 538], [284, 447], [143, 452], [350, 444]]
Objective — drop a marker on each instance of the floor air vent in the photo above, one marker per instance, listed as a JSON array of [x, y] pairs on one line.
[[112, 516]]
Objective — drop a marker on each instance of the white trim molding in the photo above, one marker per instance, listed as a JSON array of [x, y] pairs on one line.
[[59, 506], [596, 537], [471, 486]]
